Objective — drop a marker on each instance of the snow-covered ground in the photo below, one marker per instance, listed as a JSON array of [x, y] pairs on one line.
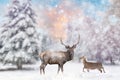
[[72, 71]]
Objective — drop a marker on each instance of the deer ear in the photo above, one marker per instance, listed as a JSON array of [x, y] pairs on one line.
[[74, 46], [66, 46], [83, 56]]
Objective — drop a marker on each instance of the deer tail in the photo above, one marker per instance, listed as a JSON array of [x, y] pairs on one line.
[[42, 56]]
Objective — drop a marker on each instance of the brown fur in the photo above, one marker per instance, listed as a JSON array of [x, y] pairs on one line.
[[92, 65], [55, 57]]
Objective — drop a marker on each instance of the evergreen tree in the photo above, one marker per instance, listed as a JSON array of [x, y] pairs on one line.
[[20, 41]]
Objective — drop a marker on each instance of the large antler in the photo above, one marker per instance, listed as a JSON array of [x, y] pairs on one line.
[[78, 40], [62, 42]]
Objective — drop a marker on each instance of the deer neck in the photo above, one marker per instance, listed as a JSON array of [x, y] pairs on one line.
[[84, 61], [69, 55]]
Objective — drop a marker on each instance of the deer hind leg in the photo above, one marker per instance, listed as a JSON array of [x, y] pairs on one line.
[[103, 69], [42, 68], [100, 70]]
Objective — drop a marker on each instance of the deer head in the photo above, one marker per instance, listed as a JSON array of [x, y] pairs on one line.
[[83, 59], [71, 48]]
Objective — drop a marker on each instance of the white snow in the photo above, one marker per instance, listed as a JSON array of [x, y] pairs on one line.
[[72, 71], [26, 42], [30, 31]]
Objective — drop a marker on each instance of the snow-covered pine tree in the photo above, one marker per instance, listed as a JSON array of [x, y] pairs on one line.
[[19, 38]]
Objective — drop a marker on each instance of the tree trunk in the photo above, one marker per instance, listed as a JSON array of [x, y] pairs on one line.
[[111, 61], [19, 63]]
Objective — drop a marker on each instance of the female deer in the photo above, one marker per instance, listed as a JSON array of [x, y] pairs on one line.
[[92, 65]]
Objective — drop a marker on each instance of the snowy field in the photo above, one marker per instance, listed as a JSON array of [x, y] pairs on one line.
[[72, 71]]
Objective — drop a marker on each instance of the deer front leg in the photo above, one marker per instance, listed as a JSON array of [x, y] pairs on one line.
[[83, 69], [58, 68], [61, 66]]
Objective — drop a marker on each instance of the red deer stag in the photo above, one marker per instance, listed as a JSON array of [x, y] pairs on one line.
[[92, 65], [57, 57]]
